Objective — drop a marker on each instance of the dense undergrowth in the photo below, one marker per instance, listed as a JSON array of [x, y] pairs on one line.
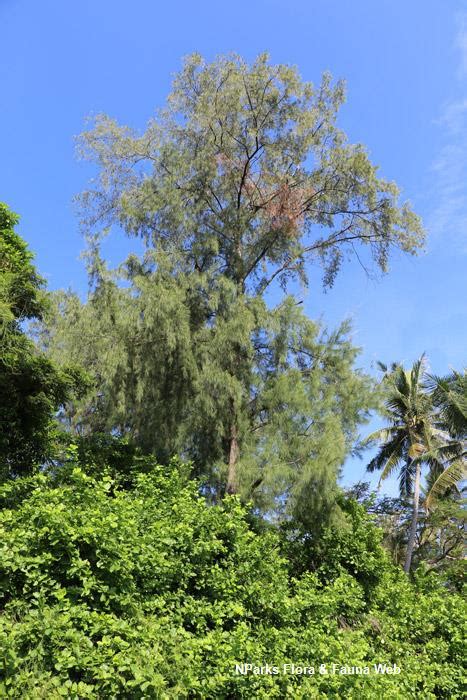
[[144, 591]]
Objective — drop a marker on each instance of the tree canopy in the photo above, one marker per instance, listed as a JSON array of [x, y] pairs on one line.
[[245, 174], [32, 388], [169, 384], [241, 180]]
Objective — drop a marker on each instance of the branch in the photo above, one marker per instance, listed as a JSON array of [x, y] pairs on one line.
[[320, 245]]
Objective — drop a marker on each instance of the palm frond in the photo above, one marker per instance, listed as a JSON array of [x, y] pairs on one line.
[[449, 394], [406, 477], [455, 472], [417, 372], [387, 458], [382, 434]]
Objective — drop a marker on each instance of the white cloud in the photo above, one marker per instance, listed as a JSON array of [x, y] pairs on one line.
[[454, 117], [448, 219], [461, 42]]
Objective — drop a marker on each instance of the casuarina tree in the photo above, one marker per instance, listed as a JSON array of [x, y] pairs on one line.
[[235, 187]]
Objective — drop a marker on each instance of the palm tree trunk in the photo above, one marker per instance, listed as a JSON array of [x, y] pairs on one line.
[[413, 525]]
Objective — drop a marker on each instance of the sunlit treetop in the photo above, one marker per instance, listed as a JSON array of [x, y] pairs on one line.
[[21, 294], [245, 173]]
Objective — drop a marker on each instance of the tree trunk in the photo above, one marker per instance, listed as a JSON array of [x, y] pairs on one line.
[[413, 525], [232, 485]]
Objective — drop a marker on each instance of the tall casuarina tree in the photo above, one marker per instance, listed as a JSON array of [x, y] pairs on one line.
[[241, 181]]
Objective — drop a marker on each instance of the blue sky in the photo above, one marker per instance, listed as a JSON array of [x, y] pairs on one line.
[[405, 64]]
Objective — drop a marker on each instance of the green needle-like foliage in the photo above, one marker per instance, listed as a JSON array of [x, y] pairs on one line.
[[236, 185], [246, 174], [170, 380]]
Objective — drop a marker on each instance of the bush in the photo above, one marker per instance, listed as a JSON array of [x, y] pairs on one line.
[[147, 592]]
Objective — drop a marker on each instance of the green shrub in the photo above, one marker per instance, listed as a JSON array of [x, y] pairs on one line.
[[147, 592]]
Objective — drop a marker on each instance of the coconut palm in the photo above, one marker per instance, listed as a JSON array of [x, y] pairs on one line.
[[449, 396], [411, 439]]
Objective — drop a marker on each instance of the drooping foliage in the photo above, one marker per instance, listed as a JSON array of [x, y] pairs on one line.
[[237, 183], [170, 381], [146, 592], [121, 578]]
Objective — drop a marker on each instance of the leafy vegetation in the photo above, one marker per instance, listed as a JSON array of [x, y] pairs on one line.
[[170, 446], [31, 386], [146, 592]]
